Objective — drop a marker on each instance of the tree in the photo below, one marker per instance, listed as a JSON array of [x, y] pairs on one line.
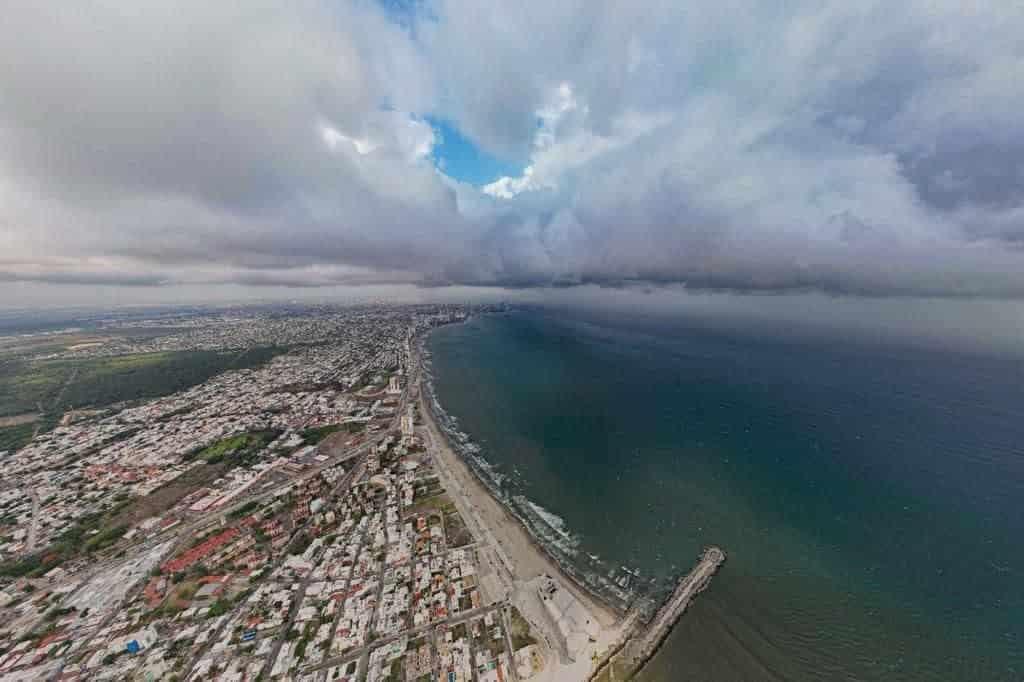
[[301, 543], [218, 608]]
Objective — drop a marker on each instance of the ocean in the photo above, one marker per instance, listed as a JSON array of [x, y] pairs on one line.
[[869, 494]]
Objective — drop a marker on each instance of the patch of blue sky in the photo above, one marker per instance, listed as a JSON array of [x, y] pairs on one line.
[[401, 8], [454, 154], [459, 158], [406, 13]]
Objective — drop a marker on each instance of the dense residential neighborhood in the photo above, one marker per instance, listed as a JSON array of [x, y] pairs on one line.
[[283, 521]]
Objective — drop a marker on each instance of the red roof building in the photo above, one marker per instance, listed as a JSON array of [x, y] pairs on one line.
[[200, 551]]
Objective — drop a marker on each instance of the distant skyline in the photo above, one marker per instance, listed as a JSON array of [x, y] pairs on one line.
[[154, 152]]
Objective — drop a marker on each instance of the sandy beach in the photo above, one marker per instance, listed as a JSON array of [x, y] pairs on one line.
[[528, 560], [515, 564]]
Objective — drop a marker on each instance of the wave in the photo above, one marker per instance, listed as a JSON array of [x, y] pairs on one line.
[[554, 521], [549, 526]]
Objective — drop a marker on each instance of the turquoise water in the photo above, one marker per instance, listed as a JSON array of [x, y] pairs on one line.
[[870, 497]]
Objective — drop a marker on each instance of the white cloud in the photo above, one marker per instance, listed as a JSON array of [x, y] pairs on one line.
[[507, 187], [390, 132], [860, 147], [563, 142], [333, 137]]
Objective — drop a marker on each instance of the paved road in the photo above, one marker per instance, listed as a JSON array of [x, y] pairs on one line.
[[128, 598], [64, 387], [412, 389], [213, 518], [487, 544], [506, 625], [365, 649], [490, 551], [343, 484], [30, 542], [279, 640], [339, 610]]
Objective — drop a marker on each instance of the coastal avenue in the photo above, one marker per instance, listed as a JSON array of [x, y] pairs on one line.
[[519, 568], [354, 474], [363, 650]]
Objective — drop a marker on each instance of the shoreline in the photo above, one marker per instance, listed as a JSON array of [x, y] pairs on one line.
[[618, 637], [523, 568], [610, 614]]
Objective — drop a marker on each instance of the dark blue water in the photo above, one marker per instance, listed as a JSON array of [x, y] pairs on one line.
[[870, 496]]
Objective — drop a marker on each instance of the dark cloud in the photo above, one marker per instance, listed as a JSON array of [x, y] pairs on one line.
[[855, 148], [84, 278]]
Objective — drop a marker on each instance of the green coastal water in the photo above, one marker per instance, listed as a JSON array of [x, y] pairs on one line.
[[870, 497]]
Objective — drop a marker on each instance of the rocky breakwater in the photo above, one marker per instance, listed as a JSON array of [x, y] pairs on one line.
[[625, 661]]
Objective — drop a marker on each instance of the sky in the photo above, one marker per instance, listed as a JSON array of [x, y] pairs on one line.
[[174, 151]]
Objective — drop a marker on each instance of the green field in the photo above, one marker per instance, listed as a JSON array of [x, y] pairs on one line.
[[90, 534], [520, 631], [15, 437], [24, 387], [53, 386], [239, 449], [317, 434]]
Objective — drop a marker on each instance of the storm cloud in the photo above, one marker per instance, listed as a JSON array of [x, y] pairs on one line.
[[858, 148]]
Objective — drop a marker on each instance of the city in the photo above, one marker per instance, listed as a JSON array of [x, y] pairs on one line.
[[532, 341], [280, 522]]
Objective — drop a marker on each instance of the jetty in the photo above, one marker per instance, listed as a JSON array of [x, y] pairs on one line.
[[627, 659]]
